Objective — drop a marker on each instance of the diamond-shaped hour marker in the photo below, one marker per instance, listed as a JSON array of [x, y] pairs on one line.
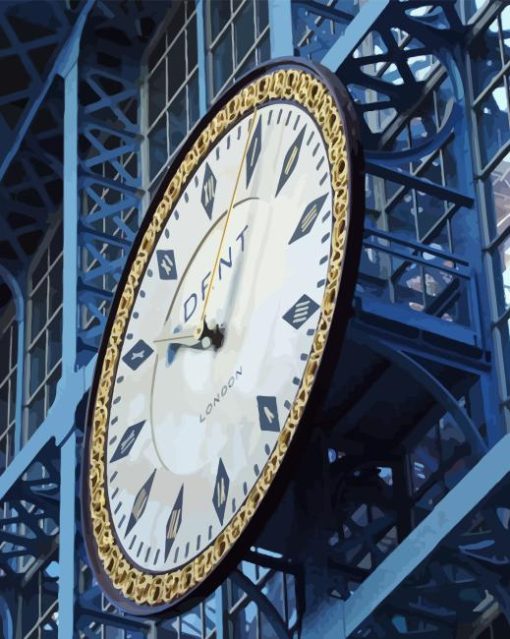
[[166, 264], [302, 310], [308, 218], [253, 151], [221, 491], [268, 413], [208, 190], [290, 160], [140, 503], [174, 523], [127, 441], [137, 355]]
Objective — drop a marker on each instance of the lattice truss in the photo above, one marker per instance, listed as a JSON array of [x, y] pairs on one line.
[[30, 148], [109, 148], [29, 536], [31, 170], [419, 255]]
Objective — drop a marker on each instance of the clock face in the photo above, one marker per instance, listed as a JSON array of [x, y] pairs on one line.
[[216, 339]]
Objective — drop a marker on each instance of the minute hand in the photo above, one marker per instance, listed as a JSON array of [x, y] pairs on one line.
[[227, 219]]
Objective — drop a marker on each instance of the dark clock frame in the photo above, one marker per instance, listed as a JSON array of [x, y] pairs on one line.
[[330, 354]]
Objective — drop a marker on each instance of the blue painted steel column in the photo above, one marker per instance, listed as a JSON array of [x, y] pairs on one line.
[[67, 558], [6, 619], [220, 600], [325, 620], [70, 280], [202, 58], [280, 28]]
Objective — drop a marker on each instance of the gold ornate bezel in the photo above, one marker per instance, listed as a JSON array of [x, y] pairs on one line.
[[147, 589]]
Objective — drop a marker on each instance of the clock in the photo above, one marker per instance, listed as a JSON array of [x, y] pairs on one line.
[[225, 324]]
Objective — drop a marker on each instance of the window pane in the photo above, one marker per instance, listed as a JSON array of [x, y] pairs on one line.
[[14, 344], [35, 413], [244, 33], [45, 336], [52, 387], [56, 244], [501, 262], [157, 53], [219, 15], [451, 173], [55, 341], [37, 368], [402, 217], [55, 283], [177, 21], [190, 7], [157, 98], [157, 147], [492, 121], [191, 43], [247, 65], [485, 57], [505, 25], [502, 335], [177, 120], [499, 190], [12, 398], [39, 309], [193, 100], [222, 61], [264, 51], [180, 86], [432, 171], [4, 354], [262, 15], [4, 407], [176, 66], [39, 270], [430, 211]]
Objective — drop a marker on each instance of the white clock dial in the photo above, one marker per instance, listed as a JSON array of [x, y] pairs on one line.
[[191, 428], [217, 347]]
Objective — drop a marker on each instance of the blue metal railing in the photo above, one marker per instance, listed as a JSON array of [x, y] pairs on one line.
[[423, 278]]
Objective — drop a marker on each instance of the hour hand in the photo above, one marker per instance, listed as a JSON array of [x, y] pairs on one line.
[[189, 338], [202, 337]]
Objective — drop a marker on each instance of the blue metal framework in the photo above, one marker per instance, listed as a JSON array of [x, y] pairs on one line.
[[403, 511]]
